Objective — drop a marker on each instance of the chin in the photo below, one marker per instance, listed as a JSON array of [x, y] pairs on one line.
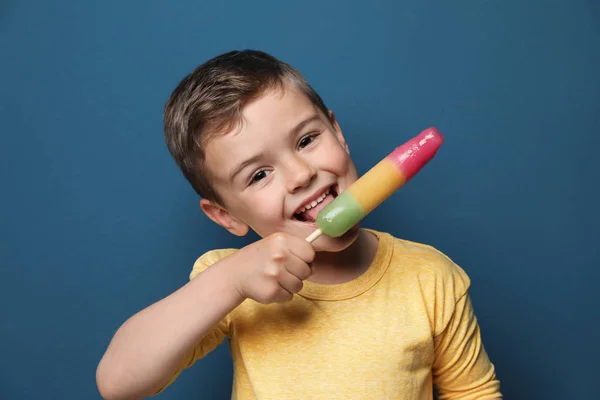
[[334, 245]]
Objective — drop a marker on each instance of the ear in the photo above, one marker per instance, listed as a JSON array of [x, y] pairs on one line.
[[338, 132], [221, 216]]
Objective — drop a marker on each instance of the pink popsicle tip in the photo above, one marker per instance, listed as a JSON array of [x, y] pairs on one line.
[[418, 151], [431, 135]]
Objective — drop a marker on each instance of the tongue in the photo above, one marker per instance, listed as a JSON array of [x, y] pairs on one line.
[[311, 215]]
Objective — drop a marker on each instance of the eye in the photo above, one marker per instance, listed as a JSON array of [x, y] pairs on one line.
[[259, 175], [306, 140]]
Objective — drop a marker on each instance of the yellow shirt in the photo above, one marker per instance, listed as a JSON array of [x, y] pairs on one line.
[[403, 326]]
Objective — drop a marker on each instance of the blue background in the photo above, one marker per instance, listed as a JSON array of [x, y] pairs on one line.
[[97, 222]]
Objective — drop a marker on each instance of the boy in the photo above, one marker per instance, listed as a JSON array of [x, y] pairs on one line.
[[362, 316]]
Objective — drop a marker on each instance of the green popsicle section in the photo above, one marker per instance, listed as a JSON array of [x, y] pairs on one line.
[[339, 215]]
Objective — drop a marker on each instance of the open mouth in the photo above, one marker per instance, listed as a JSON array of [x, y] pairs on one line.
[[309, 212]]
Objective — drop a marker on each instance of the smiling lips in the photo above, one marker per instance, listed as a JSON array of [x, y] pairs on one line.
[[309, 211]]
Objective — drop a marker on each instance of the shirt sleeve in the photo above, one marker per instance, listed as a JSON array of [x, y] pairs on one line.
[[461, 367], [217, 334]]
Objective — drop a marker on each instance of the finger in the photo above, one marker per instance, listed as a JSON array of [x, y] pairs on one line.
[[301, 249], [298, 267], [283, 295], [290, 282]]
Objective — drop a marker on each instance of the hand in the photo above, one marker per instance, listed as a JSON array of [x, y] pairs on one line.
[[271, 270]]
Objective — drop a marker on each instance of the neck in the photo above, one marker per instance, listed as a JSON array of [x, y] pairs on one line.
[[330, 268]]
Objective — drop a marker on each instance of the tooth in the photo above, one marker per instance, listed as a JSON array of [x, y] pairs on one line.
[[314, 203]]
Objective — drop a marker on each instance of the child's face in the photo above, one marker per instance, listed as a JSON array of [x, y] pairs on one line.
[[285, 155]]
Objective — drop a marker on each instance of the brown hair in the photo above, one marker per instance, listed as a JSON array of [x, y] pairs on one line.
[[210, 101]]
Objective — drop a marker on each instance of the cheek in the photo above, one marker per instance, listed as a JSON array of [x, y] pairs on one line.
[[261, 208], [340, 163]]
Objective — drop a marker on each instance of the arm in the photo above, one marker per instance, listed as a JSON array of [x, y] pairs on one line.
[[149, 347]]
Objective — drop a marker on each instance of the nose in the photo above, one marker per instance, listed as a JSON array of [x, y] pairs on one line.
[[299, 174]]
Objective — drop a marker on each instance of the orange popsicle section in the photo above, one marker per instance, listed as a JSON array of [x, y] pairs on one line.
[[376, 185]]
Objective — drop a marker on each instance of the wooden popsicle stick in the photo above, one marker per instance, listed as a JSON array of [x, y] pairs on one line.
[[313, 236]]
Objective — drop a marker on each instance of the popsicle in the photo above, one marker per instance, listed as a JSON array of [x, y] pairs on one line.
[[379, 183]]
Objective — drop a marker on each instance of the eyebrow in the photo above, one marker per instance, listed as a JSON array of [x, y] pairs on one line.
[[296, 130], [243, 165], [293, 132]]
